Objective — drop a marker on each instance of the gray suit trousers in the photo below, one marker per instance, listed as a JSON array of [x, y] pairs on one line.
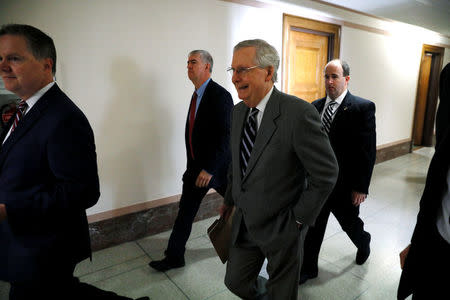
[[246, 259]]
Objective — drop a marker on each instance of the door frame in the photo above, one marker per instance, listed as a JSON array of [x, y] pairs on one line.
[[432, 95], [332, 31]]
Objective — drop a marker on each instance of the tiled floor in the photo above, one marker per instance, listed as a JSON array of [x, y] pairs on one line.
[[389, 214]]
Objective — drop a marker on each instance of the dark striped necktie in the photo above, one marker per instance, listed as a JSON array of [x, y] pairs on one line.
[[327, 117], [21, 109], [248, 139]]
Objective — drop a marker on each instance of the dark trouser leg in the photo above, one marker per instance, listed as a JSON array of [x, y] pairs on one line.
[[244, 263], [59, 284], [348, 217], [191, 198], [313, 242], [428, 270], [283, 267]]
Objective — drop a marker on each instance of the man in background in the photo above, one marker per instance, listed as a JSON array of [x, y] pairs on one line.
[[207, 137], [350, 123]]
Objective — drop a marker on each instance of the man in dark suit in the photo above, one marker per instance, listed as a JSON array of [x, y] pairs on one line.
[[350, 123], [48, 176], [207, 137], [426, 261], [283, 169]]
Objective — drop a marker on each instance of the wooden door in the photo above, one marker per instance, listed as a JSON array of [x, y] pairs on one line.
[[427, 94], [307, 46], [422, 94], [308, 54]]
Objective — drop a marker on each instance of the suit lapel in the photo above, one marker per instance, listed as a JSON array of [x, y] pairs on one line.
[[343, 109], [26, 123], [265, 131], [239, 119], [6, 130], [201, 107], [320, 104]]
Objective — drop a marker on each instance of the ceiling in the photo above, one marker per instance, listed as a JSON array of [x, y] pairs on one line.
[[429, 14]]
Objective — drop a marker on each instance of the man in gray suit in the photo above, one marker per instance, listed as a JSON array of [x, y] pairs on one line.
[[283, 169]]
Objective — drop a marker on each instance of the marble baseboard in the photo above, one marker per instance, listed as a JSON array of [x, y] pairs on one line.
[[129, 227], [393, 150], [135, 222]]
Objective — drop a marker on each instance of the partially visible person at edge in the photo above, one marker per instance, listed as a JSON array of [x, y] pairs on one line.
[[48, 176], [426, 261]]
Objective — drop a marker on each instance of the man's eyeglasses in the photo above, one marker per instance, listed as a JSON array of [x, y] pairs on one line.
[[240, 71]]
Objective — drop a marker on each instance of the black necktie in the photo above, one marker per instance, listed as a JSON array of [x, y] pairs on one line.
[[248, 139], [327, 116]]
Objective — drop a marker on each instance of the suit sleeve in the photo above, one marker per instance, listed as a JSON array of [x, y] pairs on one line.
[[228, 197], [70, 182], [364, 152], [314, 151], [218, 153]]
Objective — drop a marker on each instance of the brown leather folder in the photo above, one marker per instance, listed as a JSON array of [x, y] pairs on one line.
[[220, 235]]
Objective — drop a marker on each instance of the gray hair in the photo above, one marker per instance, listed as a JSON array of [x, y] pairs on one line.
[[205, 56], [344, 65], [266, 54]]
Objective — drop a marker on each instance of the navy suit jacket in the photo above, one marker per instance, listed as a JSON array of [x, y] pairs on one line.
[[210, 136], [353, 138], [48, 178]]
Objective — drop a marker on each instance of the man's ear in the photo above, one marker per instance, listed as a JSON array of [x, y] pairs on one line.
[[347, 78], [270, 71], [48, 64]]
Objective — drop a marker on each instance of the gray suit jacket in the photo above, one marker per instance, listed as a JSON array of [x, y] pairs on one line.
[[291, 171]]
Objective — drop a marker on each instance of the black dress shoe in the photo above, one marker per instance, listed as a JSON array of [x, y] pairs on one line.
[[363, 254], [306, 276], [166, 264]]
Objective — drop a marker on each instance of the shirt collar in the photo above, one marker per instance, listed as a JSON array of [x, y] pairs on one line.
[[201, 90], [262, 104], [33, 99], [338, 99]]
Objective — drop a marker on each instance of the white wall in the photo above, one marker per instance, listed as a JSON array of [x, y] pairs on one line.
[[124, 64]]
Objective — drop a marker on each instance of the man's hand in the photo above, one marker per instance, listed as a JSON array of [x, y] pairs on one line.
[[358, 198], [225, 211], [203, 179], [2, 212], [403, 256]]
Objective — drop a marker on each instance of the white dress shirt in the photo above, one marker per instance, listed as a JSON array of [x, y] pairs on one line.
[[338, 101], [261, 107]]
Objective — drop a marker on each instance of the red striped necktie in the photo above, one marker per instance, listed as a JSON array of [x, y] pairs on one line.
[[21, 109]]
